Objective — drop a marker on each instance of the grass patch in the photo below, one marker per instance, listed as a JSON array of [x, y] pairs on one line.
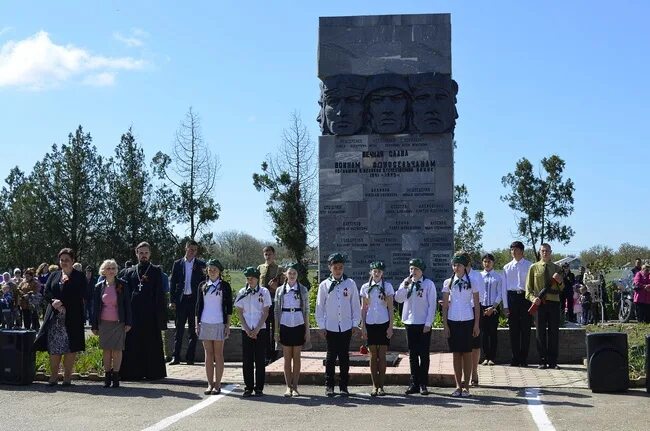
[[636, 333], [88, 361]]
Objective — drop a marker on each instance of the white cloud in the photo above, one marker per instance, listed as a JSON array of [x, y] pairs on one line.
[[135, 39], [103, 79], [5, 30], [37, 63]]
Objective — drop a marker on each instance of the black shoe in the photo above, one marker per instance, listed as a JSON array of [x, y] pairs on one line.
[[411, 390], [108, 378], [116, 379], [424, 390], [329, 391], [514, 363], [174, 361], [190, 362], [344, 391], [259, 392], [247, 393], [554, 367], [542, 366], [524, 364]]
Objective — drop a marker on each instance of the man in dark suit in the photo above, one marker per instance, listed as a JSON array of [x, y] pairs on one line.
[[187, 273]]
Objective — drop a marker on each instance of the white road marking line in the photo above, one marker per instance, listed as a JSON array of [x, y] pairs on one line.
[[191, 410], [536, 410]]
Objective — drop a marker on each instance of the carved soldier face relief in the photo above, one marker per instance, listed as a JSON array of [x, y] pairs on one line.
[[342, 101], [387, 108], [434, 103]]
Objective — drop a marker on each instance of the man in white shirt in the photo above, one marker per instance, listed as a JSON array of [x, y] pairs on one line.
[[516, 305], [187, 273], [252, 304], [494, 291], [419, 297], [338, 313]]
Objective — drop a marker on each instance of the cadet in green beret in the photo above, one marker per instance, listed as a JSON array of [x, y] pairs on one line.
[[213, 311], [377, 323], [338, 313], [419, 296], [252, 303], [292, 325], [461, 320]]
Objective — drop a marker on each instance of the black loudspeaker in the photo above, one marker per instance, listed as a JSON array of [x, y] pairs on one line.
[[17, 357], [607, 365], [647, 363]]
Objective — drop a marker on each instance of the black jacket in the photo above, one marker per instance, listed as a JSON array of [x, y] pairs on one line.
[[123, 302], [177, 279], [226, 301]]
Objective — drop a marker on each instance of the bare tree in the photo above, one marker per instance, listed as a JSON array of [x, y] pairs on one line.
[[192, 171], [289, 176]]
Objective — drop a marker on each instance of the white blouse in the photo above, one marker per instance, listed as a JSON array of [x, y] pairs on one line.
[[460, 297], [291, 299], [212, 304], [377, 307]]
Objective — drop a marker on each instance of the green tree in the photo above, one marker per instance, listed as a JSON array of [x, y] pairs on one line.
[[18, 216], [138, 210], [599, 258], [288, 178], [627, 253], [70, 186], [192, 171], [542, 200], [468, 232]]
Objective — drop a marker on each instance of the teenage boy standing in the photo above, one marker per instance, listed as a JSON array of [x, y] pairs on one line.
[[338, 313]]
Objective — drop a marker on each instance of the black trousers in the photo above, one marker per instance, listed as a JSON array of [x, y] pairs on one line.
[[519, 323], [488, 326], [271, 353], [254, 357], [418, 343], [30, 319], [185, 313], [548, 332], [642, 312], [338, 346]]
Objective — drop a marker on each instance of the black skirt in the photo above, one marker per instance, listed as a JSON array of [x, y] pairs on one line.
[[292, 336], [377, 334], [460, 335]]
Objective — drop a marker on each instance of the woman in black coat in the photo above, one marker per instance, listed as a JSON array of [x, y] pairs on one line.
[[62, 333]]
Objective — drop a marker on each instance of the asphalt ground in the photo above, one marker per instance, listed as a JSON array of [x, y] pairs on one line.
[[163, 406]]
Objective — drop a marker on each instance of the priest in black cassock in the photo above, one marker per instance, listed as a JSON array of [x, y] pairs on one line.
[[143, 353]]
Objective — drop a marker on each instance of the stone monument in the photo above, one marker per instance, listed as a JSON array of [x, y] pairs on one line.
[[387, 117]]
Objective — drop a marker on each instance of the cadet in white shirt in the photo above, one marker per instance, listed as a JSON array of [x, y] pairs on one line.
[[292, 325], [338, 313], [377, 323], [461, 320], [213, 311], [494, 291], [252, 305], [419, 296], [516, 305]]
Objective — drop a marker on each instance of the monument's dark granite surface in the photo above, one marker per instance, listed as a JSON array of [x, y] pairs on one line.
[[386, 155]]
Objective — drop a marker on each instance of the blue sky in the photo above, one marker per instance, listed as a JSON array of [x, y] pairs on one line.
[[569, 78]]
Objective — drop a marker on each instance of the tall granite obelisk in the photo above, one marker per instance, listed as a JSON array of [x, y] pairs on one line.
[[386, 152]]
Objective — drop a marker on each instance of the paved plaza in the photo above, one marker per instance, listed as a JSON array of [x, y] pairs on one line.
[[177, 403]]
